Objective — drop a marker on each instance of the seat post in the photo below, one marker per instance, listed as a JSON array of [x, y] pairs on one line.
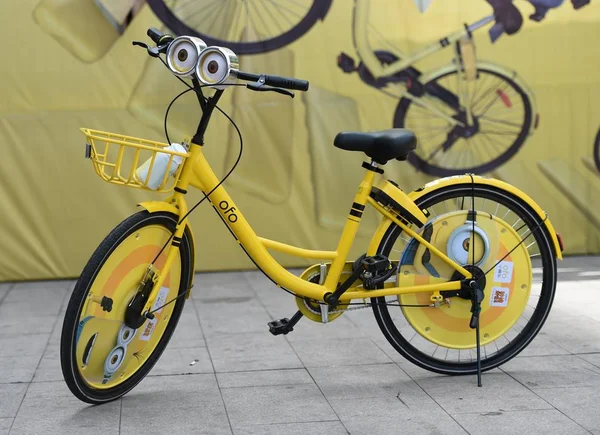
[[373, 166], [352, 224]]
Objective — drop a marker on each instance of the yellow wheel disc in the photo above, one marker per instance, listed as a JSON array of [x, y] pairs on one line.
[[312, 309], [506, 291], [108, 352]]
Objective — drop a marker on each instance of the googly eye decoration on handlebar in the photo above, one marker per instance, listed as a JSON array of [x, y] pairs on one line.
[[217, 67], [183, 54]]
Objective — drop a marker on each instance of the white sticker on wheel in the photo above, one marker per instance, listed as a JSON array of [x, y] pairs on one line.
[[150, 325], [504, 271], [499, 296], [148, 330], [161, 299]]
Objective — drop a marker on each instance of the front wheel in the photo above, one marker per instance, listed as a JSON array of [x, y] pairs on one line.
[[102, 358], [518, 291], [502, 118]]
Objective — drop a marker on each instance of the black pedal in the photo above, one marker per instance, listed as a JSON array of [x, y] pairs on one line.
[[284, 326], [281, 326], [376, 270], [376, 264], [346, 63]]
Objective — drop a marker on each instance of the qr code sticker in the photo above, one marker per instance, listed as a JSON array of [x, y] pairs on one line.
[[499, 296]]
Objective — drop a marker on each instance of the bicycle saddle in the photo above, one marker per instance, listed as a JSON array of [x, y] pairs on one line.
[[381, 146]]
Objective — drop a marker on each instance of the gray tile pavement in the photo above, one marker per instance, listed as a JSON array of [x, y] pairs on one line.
[[540, 422], [5, 424], [175, 404], [223, 373]]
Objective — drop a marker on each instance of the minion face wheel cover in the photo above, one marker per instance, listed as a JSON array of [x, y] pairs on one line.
[[506, 285]]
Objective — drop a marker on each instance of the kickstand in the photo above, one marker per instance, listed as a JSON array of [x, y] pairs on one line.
[[476, 299], [476, 291], [478, 355]]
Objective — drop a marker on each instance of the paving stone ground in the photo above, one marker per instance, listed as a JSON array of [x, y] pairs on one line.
[[320, 379]]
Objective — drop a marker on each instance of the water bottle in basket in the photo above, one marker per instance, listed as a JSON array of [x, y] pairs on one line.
[[152, 174]]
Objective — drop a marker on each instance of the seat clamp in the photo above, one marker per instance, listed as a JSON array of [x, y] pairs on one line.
[[372, 167]]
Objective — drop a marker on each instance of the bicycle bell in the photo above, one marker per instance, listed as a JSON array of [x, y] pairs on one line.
[[217, 67], [183, 54]]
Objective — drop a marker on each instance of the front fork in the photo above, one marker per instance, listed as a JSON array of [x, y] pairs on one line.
[[153, 274]]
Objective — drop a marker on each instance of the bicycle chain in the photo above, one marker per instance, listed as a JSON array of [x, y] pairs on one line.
[[366, 305]]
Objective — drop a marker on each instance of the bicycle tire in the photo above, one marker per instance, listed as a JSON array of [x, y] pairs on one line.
[[597, 151], [133, 226], [317, 11], [423, 165], [428, 362]]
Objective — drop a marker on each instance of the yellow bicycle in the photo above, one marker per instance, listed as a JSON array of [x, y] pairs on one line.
[[460, 273]]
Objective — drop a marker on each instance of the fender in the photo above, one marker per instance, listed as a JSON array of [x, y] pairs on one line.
[[156, 206], [432, 75], [466, 179]]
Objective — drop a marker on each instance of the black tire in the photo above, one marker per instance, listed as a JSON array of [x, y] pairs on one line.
[[597, 151], [73, 378], [522, 339], [420, 161], [317, 11]]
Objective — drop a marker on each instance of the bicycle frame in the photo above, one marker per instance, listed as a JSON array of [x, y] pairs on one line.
[[368, 57], [198, 173]]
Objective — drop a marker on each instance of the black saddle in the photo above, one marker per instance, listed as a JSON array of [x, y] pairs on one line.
[[381, 146]]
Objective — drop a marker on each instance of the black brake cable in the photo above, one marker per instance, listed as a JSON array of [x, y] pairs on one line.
[[531, 231], [190, 88], [206, 195]]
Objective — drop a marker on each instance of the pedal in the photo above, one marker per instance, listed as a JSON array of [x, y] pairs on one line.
[[281, 326], [376, 264], [376, 270], [346, 63], [284, 326]]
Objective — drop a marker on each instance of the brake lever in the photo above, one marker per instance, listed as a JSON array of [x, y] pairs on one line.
[[152, 51], [141, 44], [259, 87]]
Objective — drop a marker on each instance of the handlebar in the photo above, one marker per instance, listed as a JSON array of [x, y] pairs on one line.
[[276, 81], [162, 40], [159, 37]]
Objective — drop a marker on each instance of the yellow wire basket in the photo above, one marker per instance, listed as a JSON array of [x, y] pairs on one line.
[[133, 162]]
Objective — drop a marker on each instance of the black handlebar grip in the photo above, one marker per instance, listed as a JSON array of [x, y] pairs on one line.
[[154, 34], [286, 83]]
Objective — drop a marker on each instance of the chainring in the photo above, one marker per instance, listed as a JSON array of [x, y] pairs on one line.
[[312, 309], [507, 288]]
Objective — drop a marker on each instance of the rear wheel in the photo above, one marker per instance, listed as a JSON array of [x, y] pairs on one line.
[[101, 357], [518, 293], [246, 27]]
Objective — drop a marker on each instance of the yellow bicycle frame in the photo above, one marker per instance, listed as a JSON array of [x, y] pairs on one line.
[[197, 173]]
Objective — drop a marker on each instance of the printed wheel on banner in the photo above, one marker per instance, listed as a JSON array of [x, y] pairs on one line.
[[246, 27], [597, 151], [502, 117], [102, 358], [516, 301]]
